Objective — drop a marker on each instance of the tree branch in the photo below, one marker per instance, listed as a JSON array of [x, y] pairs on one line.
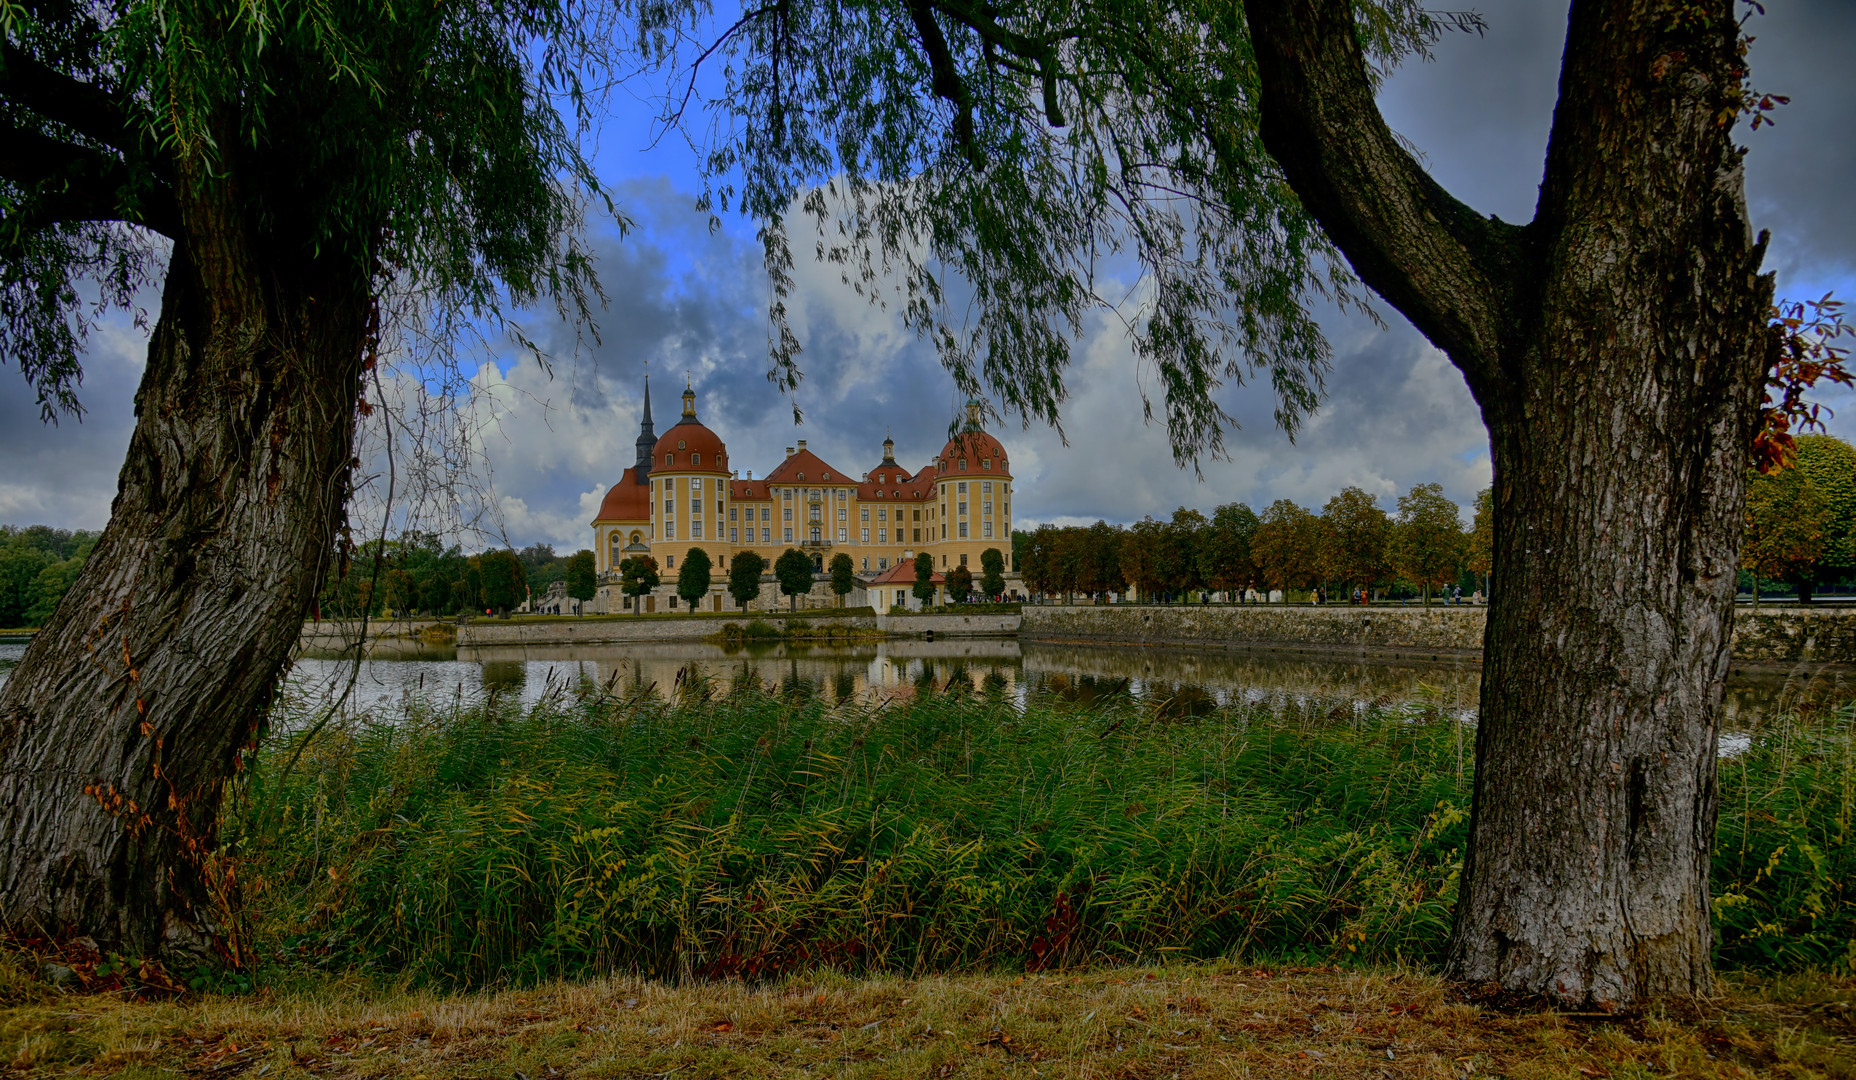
[[74, 183], [1453, 273], [86, 109]]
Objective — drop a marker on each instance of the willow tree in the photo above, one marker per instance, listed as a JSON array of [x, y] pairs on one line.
[[1003, 159], [283, 173]]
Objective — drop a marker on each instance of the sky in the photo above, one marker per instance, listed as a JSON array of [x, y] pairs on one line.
[[553, 439]]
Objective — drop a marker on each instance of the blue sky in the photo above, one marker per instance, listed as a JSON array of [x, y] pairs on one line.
[[1396, 413]]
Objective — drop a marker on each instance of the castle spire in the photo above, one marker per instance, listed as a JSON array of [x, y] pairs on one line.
[[647, 437]]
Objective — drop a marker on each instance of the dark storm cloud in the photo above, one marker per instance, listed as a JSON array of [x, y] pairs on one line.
[[65, 474]]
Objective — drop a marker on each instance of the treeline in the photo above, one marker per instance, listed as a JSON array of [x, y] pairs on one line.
[[37, 566], [1352, 542], [418, 574]]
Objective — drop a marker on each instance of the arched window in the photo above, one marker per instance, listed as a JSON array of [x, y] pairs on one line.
[[635, 537], [616, 546], [668, 458]]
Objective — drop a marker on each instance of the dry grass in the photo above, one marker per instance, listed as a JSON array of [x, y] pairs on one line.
[[1202, 1020]]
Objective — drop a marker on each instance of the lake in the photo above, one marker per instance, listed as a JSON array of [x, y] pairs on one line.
[[1183, 680]]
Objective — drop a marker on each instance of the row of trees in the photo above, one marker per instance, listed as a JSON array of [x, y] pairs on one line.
[[1351, 542], [795, 574], [418, 574], [37, 566]]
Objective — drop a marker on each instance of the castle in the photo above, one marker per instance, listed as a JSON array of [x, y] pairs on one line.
[[682, 492]]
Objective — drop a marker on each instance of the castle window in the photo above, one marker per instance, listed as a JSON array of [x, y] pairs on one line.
[[802, 476], [668, 458], [963, 464], [866, 559], [882, 536], [766, 513], [669, 561], [679, 444], [963, 530], [695, 459], [766, 536], [863, 513], [696, 530], [986, 530], [841, 535], [733, 513], [987, 487], [963, 487], [986, 463], [883, 564], [963, 560], [864, 536], [734, 536]]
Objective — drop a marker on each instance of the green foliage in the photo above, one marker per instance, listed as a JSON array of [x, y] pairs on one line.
[[992, 572], [505, 582], [744, 577], [1181, 558], [793, 570], [1287, 546], [1801, 517], [1428, 541], [1480, 550], [418, 148], [581, 576], [637, 576], [924, 587], [843, 575], [1356, 539], [1225, 559], [733, 833], [38, 564], [695, 576], [959, 584], [969, 158]]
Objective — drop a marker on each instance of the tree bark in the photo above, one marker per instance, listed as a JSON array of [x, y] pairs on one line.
[[1617, 346], [132, 706]]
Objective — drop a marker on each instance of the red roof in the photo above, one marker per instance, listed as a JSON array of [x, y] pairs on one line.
[[974, 446], [805, 467], [748, 489], [903, 573], [889, 482], [627, 501], [684, 439]]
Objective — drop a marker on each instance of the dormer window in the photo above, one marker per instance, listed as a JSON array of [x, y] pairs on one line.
[[963, 464], [679, 444], [802, 476], [668, 458], [695, 459], [986, 463]]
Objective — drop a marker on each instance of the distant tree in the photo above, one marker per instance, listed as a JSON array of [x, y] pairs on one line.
[[435, 596], [1101, 559], [959, 584], [1287, 545], [1032, 556], [638, 575], [399, 593], [49, 586], [1829, 464], [1224, 552], [1068, 556], [505, 581], [793, 570], [695, 576], [1788, 523], [469, 585], [1357, 539], [992, 572], [744, 578], [1480, 550], [541, 565], [1140, 556], [843, 576], [582, 580], [1020, 540], [1179, 550], [924, 579], [1428, 542]]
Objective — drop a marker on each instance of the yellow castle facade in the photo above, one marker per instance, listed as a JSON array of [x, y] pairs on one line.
[[683, 492]]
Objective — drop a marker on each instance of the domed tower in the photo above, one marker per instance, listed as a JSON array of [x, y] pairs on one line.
[[973, 497], [623, 525], [688, 487]]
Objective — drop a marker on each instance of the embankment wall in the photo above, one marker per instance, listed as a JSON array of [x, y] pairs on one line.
[[659, 628], [1773, 636]]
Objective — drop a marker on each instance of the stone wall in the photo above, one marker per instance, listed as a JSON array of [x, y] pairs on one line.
[[1002, 625], [640, 628], [1774, 636]]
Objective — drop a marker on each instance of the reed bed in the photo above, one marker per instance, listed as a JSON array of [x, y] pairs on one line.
[[737, 830]]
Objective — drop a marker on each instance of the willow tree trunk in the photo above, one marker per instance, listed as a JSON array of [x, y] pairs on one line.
[[1617, 347], [130, 709]]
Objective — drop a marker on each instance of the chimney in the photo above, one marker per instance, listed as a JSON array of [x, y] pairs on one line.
[[802, 444], [789, 451], [750, 475]]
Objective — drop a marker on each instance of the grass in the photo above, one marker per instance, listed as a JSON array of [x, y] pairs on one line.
[[1186, 1020], [740, 831]]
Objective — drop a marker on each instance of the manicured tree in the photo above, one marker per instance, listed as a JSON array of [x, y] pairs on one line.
[[1357, 539], [1479, 551], [959, 584], [582, 584], [283, 176], [695, 576], [505, 580], [1224, 555], [793, 570], [744, 578], [1179, 550], [1788, 522], [1428, 540], [1829, 464], [924, 579], [1287, 545], [992, 570], [638, 575], [1140, 556], [843, 576]]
